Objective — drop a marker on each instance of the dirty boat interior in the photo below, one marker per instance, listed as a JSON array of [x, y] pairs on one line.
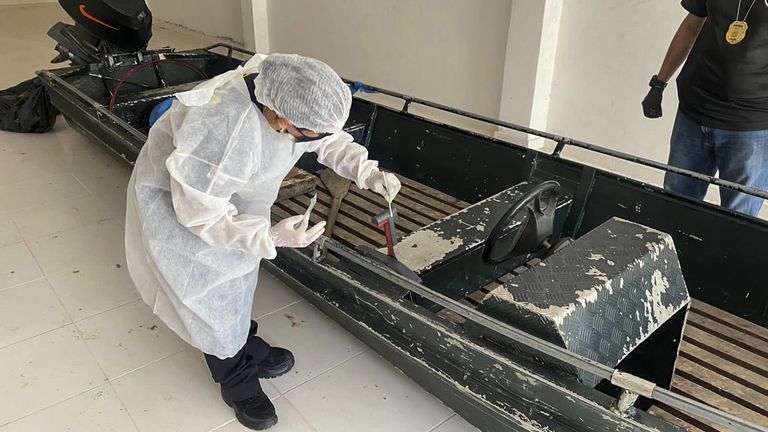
[[550, 295]]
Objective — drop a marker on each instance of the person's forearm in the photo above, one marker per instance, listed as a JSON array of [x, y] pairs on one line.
[[680, 46]]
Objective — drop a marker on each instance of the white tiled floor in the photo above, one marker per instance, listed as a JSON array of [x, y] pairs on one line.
[[79, 351]]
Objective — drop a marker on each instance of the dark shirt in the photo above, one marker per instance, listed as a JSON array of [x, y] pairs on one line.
[[725, 86], [249, 82]]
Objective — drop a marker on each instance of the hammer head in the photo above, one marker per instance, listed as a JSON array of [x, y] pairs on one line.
[[384, 217]]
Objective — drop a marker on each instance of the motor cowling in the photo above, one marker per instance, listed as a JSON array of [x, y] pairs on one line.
[[125, 24]]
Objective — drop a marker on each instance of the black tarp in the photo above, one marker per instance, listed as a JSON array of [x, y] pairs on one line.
[[27, 107]]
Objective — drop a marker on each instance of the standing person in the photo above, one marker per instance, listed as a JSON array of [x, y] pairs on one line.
[[722, 119], [198, 212]]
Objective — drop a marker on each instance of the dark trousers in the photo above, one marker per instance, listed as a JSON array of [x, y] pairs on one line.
[[739, 156], [238, 375]]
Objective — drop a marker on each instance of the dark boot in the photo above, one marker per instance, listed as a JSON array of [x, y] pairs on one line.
[[256, 412], [278, 362]]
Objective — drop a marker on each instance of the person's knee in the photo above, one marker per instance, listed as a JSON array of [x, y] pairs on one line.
[[740, 202], [685, 185]]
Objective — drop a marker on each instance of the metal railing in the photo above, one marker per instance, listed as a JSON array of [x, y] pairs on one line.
[[616, 377]]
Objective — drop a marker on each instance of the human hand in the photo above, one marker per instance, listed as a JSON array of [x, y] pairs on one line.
[[385, 184]]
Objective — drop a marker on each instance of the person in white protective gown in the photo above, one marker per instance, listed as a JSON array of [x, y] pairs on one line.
[[198, 211]]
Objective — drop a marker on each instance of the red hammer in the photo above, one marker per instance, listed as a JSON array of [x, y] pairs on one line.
[[386, 220]]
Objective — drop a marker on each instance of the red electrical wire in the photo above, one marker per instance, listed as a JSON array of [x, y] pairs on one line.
[[141, 66]]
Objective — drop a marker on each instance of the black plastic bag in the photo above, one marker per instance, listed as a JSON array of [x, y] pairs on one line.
[[27, 107]]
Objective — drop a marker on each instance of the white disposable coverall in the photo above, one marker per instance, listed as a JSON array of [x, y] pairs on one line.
[[198, 210]]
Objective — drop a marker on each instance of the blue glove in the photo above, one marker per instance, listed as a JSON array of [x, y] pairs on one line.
[[159, 110], [358, 86]]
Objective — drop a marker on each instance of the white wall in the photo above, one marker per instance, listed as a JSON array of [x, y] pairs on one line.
[[606, 54], [220, 18], [449, 51], [23, 2]]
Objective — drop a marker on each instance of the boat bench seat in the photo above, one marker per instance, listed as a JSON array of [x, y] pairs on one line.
[[447, 254], [601, 296], [463, 231]]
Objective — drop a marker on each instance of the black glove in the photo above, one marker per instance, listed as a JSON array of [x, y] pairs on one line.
[[652, 101]]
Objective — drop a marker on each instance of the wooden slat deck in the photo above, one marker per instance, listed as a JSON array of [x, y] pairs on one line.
[[723, 359], [417, 206], [723, 362]]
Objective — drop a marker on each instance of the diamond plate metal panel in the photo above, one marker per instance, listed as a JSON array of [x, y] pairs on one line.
[[601, 297]]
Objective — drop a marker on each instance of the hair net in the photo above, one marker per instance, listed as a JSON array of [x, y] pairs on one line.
[[305, 91]]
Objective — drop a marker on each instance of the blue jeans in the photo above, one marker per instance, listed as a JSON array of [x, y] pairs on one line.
[[739, 156]]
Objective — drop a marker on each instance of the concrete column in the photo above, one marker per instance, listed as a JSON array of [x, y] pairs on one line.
[[255, 25], [529, 67]]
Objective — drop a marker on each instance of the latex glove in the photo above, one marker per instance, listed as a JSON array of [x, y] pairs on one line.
[[652, 101], [385, 184], [294, 232]]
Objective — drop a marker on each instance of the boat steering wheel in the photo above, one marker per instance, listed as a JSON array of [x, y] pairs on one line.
[[536, 228]]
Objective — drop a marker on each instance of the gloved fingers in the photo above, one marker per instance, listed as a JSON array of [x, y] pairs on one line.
[[651, 112], [310, 235], [378, 188], [315, 232], [291, 222], [392, 187], [652, 103], [304, 223]]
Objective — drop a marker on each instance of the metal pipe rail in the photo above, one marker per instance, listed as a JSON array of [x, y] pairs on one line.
[[620, 379], [561, 141]]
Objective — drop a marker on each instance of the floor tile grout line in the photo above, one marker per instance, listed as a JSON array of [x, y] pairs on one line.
[[66, 312], [37, 260], [38, 335], [325, 371], [110, 309], [37, 279], [37, 264], [15, 226], [449, 418], [37, 411], [88, 347], [80, 182], [301, 414], [54, 201], [150, 363], [269, 314], [51, 234], [222, 426], [125, 407], [45, 273], [64, 231]]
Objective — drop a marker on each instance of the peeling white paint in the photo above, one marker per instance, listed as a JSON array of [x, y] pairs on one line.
[[654, 307], [530, 425], [593, 271], [557, 314], [423, 248], [454, 343], [587, 296]]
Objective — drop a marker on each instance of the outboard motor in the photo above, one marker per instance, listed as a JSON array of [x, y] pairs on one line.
[[101, 27]]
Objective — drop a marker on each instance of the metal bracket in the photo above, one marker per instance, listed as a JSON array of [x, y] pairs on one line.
[[625, 401], [561, 143], [633, 384], [406, 104], [319, 249]]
